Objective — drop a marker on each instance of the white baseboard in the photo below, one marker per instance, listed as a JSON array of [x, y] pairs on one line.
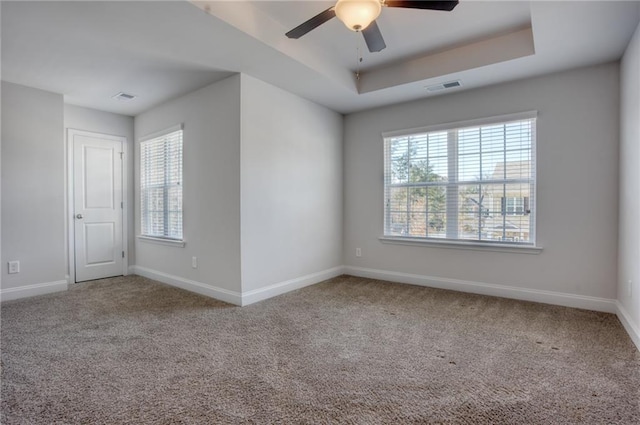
[[221, 294], [233, 297], [280, 288], [33, 290], [524, 294], [625, 318]]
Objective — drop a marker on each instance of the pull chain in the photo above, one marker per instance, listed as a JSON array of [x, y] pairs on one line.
[[358, 56]]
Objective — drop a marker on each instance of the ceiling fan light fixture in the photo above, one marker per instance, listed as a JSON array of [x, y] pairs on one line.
[[357, 14]]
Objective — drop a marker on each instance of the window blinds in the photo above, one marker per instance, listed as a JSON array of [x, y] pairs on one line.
[[465, 183], [161, 185]]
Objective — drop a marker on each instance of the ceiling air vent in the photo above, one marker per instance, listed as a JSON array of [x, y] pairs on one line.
[[444, 86], [124, 96]]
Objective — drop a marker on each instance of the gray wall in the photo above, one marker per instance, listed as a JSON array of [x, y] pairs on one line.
[[211, 197], [32, 186], [79, 118], [577, 142], [291, 186], [629, 230]]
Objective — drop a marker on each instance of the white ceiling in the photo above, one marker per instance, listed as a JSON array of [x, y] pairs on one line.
[[90, 51]]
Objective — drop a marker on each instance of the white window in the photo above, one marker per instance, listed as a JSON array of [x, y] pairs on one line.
[[472, 181], [161, 185], [515, 206]]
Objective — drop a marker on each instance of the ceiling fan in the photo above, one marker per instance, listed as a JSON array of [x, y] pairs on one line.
[[360, 16]]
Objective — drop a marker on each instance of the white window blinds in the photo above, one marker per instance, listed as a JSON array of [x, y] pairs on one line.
[[161, 185], [464, 182]]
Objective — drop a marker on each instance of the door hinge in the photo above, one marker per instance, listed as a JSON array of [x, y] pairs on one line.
[[122, 205], [121, 155], [122, 254]]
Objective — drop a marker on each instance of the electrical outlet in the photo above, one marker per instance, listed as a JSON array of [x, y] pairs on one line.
[[14, 267], [194, 262], [358, 252]]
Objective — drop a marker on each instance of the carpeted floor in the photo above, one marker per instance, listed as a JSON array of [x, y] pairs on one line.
[[345, 351]]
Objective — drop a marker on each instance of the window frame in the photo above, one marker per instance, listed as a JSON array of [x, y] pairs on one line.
[[163, 239], [482, 244]]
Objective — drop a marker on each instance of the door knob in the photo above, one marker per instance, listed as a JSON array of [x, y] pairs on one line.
[[79, 216]]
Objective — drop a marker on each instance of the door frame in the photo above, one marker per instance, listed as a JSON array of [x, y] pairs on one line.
[[70, 222]]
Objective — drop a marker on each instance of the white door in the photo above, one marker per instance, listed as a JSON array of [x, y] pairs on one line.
[[98, 209]]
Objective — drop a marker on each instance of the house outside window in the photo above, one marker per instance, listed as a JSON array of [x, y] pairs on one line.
[[161, 185], [472, 182]]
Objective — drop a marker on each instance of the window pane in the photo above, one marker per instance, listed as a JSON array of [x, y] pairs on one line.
[[491, 220], [469, 207], [155, 226], [437, 225], [175, 224], [492, 138], [161, 186], [438, 159], [420, 171], [517, 228], [517, 169], [398, 224], [469, 168], [437, 199], [518, 135], [492, 168], [418, 224], [418, 146], [418, 199], [399, 156], [469, 141], [397, 200], [475, 183]]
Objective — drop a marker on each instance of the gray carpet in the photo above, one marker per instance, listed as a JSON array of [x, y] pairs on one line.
[[346, 351]]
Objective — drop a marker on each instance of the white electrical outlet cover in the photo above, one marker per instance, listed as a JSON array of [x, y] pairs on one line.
[[14, 267]]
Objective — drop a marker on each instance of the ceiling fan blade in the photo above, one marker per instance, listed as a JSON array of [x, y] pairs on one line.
[[373, 37], [431, 5], [312, 23]]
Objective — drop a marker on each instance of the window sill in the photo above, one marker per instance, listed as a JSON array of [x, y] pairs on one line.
[[160, 241], [474, 246]]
